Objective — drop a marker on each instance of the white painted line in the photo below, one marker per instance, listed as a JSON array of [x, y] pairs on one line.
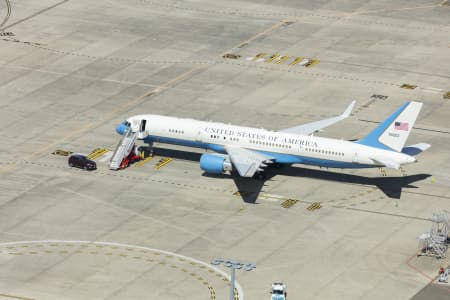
[[207, 265], [249, 58], [260, 60], [433, 90], [272, 196]]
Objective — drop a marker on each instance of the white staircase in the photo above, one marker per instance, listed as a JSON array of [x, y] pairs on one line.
[[123, 149]]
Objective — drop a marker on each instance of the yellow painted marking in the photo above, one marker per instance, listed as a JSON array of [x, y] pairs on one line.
[[144, 161], [408, 86], [314, 206], [162, 162], [288, 203], [62, 152], [15, 297], [271, 58], [296, 61], [259, 55], [283, 58], [312, 63], [97, 153], [241, 193]]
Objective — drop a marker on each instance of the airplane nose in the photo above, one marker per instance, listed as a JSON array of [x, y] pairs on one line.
[[120, 129]]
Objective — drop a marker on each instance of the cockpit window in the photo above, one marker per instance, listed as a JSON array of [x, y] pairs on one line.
[[126, 123]]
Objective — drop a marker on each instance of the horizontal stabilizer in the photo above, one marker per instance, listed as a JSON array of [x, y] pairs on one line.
[[415, 149], [387, 163]]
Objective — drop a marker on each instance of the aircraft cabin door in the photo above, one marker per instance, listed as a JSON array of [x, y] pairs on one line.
[[355, 159], [142, 126]]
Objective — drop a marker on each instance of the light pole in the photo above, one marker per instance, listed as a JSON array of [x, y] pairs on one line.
[[233, 265]]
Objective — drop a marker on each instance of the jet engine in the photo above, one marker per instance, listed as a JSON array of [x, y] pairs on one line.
[[215, 163]]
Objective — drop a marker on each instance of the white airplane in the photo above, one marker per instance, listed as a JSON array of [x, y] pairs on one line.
[[249, 150]]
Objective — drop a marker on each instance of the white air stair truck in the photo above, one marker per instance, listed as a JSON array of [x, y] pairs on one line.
[[123, 150]]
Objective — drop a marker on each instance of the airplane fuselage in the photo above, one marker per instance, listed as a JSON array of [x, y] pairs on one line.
[[285, 148]]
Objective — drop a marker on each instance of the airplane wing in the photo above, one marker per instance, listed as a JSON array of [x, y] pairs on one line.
[[387, 163], [309, 128], [247, 162]]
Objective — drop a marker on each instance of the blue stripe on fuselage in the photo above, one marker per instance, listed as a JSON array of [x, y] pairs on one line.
[[281, 158]]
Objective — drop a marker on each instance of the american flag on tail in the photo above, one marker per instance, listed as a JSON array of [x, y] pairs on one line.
[[401, 126]]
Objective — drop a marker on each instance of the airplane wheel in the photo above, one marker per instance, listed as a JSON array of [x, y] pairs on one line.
[[260, 176]]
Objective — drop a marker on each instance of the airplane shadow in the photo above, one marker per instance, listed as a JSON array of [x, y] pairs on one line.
[[250, 188]]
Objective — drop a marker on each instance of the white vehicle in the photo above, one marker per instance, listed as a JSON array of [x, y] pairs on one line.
[[278, 291], [443, 277], [249, 150]]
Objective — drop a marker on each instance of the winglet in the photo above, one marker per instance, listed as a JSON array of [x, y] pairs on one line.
[[348, 111]]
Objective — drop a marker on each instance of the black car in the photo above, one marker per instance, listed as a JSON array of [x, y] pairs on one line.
[[82, 162]]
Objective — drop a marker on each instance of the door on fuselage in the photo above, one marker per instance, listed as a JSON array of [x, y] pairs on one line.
[[355, 158], [142, 134]]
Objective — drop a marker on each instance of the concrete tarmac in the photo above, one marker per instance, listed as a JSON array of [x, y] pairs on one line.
[[72, 70]]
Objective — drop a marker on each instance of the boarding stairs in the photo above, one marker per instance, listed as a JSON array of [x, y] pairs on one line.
[[123, 149]]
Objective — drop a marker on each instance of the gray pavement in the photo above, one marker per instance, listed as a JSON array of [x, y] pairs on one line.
[[75, 69]]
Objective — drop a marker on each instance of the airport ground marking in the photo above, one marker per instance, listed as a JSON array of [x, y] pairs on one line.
[[314, 206], [191, 261], [15, 297], [288, 203], [163, 162], [96, 153], [296, 61], [144, 161]]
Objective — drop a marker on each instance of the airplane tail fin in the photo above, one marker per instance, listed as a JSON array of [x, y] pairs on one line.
[[393, 132]]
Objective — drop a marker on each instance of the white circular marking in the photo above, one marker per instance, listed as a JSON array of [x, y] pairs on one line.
[[207, 265]]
